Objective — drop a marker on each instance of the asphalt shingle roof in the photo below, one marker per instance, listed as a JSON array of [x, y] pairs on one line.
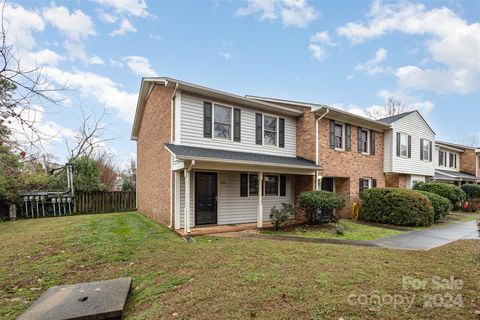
[[193, 152], [394, 118], [445, 174]]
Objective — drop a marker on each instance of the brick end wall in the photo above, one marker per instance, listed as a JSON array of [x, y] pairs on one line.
[[468, 161], [395, 180], [153, 161]]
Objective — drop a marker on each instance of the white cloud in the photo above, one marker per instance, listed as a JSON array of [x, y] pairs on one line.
[[411, 101], [106, 17], [136, 8], [125, 27], [44, 57], [76, 25], [20, 24], [225, 55], [140, 66], [451, 42], [317, 43], [372, 66], [295, 13], [98, 88]]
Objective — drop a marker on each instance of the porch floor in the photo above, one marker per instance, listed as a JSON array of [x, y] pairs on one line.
[[210, 229]]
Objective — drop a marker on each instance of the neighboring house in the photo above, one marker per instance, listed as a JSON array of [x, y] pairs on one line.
[[349, 147], [457, 164], [408, 150], [207, 157]]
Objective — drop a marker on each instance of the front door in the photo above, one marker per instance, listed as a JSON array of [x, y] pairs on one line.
[[205, 198], [327, 185]]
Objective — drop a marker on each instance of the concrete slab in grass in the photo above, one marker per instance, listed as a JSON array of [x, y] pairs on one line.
[[91, 300]]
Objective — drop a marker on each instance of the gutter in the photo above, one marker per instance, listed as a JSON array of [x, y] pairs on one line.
[[172, 213]]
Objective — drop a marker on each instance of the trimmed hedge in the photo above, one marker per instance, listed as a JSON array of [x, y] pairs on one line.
[[313, 202], [446, 190], [441, 205], [396, 206], [472, 190]]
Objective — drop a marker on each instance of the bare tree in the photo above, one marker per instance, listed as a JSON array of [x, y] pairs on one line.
[[90, 136], [22, 88], [108, 170], [392, 107]]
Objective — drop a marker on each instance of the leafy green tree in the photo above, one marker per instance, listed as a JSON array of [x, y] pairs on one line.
[[86, 176], [10, 168], [128, 185]]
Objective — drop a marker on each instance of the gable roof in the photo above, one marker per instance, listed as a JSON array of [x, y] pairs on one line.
[[332, 112], [395, 118], [147, 85], [461, 147]]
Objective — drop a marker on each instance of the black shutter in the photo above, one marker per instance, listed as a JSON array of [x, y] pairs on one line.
[[421, 149], [281, 133], [409, 146], [283, 186], [372, 142], [359, 140], [236, 125], [374, 183], [258, 128], [207, 119], [430, 151], [243, 184], [360, 182], [398, 144], [332, 134], [348, 138]]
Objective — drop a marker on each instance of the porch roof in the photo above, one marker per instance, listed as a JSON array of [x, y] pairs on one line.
[[194, 153], [454, 175]]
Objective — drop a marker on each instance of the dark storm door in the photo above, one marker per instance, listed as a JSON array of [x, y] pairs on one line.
[[205, 198]]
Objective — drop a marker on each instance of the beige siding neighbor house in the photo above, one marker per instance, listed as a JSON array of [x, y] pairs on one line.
[[207, 157], [457, 164]]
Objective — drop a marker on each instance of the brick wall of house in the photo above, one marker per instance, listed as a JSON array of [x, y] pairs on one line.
[[153, 161], [349, 164], [301, 184], [468, 161], [395, 180], [306, 135]]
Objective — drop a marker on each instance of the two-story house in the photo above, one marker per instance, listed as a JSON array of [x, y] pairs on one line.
[[457, 164], [408, 150], [207, 157], [349, 147]]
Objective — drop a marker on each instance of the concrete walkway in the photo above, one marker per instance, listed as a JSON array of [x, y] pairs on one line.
[[413, 240], [430, 238]]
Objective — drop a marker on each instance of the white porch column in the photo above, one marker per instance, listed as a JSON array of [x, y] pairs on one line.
[[186, 220], [260, 204]]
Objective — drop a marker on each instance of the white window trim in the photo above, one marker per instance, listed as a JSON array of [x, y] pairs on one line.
[[343, 136], [406, 135], [278, 185], [426, 142], [370, 182], [444, 164], [368, 141], [263, 130], [214, 104]]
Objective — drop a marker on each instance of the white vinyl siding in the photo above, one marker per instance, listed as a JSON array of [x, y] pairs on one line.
[[388, 151], [412, 180], [414, 126], [231, 208], [191, 133]]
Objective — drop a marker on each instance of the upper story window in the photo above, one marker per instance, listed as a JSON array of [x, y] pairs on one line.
[[403, 145], [222, 122], [338, 136], [363, 141], [453, 160], [425, 150], [442, 158], [269, 130]]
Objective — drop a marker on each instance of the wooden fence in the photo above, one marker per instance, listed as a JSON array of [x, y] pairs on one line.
[[104, 202]]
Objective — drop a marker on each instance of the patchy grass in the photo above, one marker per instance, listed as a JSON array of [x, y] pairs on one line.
[[226, 278], [352, 231]]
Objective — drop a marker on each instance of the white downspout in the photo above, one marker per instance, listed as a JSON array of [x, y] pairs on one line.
[[186, 222], [260, 204], [172, 213], [316, 146]]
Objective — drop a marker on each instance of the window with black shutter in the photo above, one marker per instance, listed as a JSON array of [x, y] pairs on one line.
[[243, 184], [207, 119], [372, 142], [283, 186], [236, 125], [348, 137], [332, 134], [281, 133], [258, 128]]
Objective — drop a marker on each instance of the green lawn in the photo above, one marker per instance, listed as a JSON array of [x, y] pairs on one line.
[[226, 278], [352, 231]]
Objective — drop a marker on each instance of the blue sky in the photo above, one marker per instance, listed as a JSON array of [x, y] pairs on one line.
[[348, 54]]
